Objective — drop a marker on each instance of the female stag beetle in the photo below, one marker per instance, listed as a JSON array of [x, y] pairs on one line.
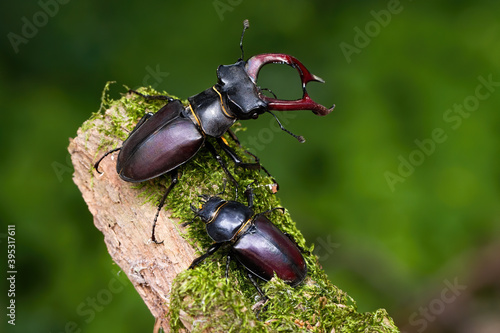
[[162, 142], [253, 240]]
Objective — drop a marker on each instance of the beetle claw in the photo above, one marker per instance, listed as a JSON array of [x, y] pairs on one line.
[[255, 63]]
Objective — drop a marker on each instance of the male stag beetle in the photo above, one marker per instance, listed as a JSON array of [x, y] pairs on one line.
[[253, 240], [162, 142]]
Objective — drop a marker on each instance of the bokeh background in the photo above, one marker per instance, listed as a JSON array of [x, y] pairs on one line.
[[398, 188]]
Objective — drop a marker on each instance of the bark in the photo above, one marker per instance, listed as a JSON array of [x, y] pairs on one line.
[[125, 221]]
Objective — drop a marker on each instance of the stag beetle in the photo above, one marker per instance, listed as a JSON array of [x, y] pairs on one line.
[[162, 142], [253, 240]]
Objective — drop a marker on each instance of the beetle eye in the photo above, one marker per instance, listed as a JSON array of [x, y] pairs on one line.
[[255, 115]]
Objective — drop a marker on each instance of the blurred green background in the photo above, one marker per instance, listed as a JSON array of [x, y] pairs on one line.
[[398, 188]]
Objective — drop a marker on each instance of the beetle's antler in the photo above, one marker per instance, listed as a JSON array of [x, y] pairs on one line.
[[255, 63]]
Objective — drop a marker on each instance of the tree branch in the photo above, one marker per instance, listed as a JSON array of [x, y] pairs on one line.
[[199, 299]]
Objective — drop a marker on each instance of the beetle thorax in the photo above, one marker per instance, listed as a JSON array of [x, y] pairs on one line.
[[229, 218], [210, 113]]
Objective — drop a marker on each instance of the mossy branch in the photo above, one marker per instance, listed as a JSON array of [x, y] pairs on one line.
[[198, 300]]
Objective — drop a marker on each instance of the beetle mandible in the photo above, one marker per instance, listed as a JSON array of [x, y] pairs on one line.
[[253, 240], [160, 143]]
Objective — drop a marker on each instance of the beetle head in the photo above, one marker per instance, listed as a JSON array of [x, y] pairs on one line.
[[245, 100], [209, 208], [240, 93], [238, 83]]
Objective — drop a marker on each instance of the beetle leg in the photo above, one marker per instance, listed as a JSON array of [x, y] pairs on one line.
[[96, 165], [221, 163], [224, 183], [141, 122], [274, 186], [238, 161], [174, 176], [152, 97], [249, 194], [272, 210], [228, 261], [233, 137], [256, 159], [251, 277], [211, 250]]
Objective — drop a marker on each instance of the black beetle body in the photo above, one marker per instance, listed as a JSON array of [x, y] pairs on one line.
[[165, 141], [162, 142], [253, 240]]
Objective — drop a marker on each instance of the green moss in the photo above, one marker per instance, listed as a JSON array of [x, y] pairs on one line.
[[201, 297]]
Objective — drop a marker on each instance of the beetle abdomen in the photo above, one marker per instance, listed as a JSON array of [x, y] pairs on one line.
[[265, 250], [163, 150]]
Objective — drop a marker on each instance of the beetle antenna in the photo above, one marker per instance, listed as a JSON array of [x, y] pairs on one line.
[[270, 91], [185, 224], [246, 25], [196, 212], [298, 137]]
